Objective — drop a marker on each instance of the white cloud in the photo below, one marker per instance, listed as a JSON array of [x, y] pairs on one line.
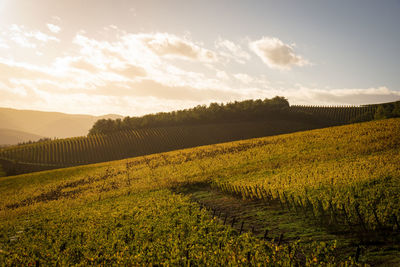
[[40, 36], [53, 28], [222, 75], [125, 67], [10, 69], [302, 95], [138, 51], [131, 71], [169, 45], [17, 35], [83, 64], [276, 54], [231, 50], [23, 37], [133, 74], [3, 44], [244, 78]]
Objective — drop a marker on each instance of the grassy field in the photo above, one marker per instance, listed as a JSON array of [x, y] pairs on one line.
[[328, 196]]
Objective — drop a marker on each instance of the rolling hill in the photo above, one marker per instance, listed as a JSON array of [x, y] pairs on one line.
[[117, 139], [11, 137], [48, 124], [325, 197], [129, 143]]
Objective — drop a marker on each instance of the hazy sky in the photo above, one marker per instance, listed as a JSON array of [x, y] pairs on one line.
[[137, 57]]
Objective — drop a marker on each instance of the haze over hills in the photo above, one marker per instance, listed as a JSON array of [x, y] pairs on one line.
[[154, 133], [9, 137], [36, 124]]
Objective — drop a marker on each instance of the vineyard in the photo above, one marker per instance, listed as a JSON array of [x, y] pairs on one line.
[[344, 114], [277, 108], [339, 183], [137, 142], [130, 143]]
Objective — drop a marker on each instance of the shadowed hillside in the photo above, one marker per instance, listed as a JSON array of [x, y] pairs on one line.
[[130, 143], [155, 133]]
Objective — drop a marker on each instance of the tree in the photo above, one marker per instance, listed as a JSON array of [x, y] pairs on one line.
[[396, 109], [380, 113], [277, 107]]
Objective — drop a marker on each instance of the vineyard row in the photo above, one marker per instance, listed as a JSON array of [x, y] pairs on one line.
[[324, 211]]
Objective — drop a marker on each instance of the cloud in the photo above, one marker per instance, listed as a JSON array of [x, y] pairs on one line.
[[53, 28], [276, 54], [345, 96], [40, 36], [104, 92], [82, 64], [244, 78], [3, 44], [17, 35], [137, 73], [169, 45], [13, 70], [231, 50], [222, 75], [131, 55], [23, 37], [151, 88], [131, 71]]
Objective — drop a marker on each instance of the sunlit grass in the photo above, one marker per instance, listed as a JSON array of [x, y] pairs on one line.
[[66, 215]]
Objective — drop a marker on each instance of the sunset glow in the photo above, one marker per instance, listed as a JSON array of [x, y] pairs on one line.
[[137, 57]]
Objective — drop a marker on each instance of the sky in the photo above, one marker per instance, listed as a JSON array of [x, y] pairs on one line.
[[137, 57]]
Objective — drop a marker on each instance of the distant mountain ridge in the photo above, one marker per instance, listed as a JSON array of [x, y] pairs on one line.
[[10, 137], [46, 124]]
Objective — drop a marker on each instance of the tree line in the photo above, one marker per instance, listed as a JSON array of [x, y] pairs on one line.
[[387, 110], [247, 110], [276, 108]]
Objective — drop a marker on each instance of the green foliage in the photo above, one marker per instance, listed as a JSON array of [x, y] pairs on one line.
[[250, 110], [332, 171], [153, 227], [2, 172], [396, 109], [381, 113], [388, 110], [277, 107]]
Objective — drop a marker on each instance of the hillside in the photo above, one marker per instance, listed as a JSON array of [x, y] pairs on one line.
[[326, 196], [48, 124], [277, 108], [11, 137], [129, 143], [110, 139]]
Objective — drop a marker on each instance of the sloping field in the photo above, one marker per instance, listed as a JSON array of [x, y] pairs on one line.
[[130, 143], [339, 183]]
